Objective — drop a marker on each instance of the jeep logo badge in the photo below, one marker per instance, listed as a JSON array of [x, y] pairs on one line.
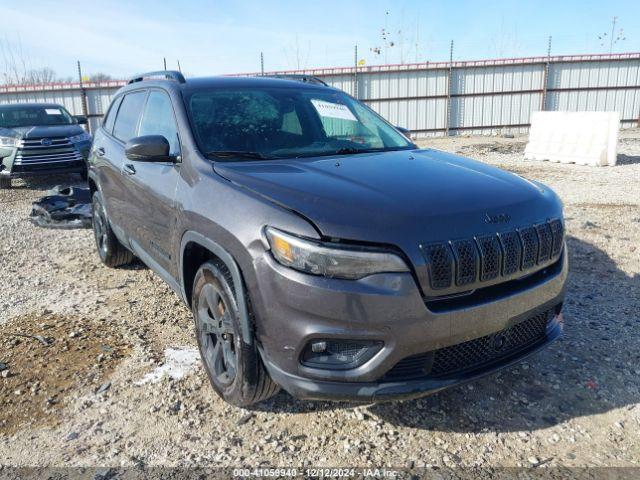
[[499, 218], [46, 142]]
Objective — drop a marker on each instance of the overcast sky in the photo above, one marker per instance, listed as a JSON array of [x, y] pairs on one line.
[[212, 37]]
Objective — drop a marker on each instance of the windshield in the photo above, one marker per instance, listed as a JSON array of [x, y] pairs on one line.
[[34, 115], [260, 123]]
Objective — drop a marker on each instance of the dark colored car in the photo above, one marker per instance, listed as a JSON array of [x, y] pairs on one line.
[[318, 248], [41, 139]]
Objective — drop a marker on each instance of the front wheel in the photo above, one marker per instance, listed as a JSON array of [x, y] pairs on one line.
[[111, 251], [5, 182], [234, 368]]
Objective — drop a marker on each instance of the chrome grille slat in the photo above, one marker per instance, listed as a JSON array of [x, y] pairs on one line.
[[31, 151]]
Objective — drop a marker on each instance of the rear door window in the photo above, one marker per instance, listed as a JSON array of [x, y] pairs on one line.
[[158, 119], [126, 124]]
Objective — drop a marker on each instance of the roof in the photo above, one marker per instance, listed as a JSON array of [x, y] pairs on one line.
[[222, 82]]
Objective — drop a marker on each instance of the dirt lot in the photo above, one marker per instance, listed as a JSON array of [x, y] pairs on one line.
[[71, 390]]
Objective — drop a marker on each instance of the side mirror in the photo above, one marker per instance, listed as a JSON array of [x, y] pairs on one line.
[[148, 148], [405, 132], [81, 119]]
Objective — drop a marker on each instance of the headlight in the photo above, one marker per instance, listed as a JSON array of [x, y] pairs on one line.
[[8, 142], [83, 137], [330, 260]]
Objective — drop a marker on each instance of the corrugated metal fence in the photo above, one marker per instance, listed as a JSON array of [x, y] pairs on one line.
[[479, 97]]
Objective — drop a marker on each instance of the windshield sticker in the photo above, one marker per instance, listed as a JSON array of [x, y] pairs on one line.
[[333, 110], [53, 111]]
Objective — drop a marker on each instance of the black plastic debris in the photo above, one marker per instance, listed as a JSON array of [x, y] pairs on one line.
[[63, 207]]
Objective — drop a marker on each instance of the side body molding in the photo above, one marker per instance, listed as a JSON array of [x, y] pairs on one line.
[[231, 264]]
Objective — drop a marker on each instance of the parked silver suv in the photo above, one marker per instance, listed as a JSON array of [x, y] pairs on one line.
[[41, 139]]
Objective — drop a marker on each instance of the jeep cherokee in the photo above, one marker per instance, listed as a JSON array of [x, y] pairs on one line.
[[318, 248], [41, 139]]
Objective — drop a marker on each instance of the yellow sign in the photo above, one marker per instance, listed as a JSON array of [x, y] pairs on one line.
[[361, 62]]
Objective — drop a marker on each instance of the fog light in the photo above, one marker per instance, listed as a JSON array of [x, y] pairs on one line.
[[339, 354]]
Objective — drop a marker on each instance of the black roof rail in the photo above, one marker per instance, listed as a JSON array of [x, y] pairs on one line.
[[301, 78], [165, 74]]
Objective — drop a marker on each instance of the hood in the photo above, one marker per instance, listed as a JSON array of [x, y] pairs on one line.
[[42, 131], [402, 198]]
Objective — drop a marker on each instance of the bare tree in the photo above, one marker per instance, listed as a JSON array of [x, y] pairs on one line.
[[40, 76], [16, 67]]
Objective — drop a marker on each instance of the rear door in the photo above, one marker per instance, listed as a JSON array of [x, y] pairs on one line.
[[152, 187], [111, 151]]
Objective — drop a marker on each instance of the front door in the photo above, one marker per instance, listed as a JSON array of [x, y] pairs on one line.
[[152, 188]]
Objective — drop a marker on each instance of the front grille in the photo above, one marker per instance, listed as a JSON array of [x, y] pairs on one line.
[[465, 262], [484, 350], [33, 151], [475, 354]]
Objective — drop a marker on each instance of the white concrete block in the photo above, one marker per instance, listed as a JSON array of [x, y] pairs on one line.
[[583, 138]]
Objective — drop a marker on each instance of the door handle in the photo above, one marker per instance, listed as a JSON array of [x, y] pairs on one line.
[[100, 152], [128, 169]]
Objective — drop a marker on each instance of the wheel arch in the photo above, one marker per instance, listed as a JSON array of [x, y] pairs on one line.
[[195, 249]]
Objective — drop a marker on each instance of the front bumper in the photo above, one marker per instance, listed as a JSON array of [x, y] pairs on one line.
[[293, 308], [22, 171], [369, 392]]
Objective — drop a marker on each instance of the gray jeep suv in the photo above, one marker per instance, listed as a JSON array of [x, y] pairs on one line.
[[318, 248], [41, 139]]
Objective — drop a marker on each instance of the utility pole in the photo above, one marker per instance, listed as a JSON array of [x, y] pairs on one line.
[[262, 64], [179, 69], [355, 73], [449, 83], [165, 63], [613, 31], [83, 95], [545, 76]]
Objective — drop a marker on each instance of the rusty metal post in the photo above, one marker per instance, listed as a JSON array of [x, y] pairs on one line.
[[449, 83], [83, 97], [545, 78], [355, 74]]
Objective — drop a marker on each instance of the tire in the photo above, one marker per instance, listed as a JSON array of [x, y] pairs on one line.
[[235, 369], [5, 183], [112, 253]]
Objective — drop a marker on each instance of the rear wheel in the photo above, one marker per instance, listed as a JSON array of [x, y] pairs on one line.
[[5, 182], [111, 251], [234, 368]]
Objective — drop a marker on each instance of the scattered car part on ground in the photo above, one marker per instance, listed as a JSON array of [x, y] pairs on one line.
[[63, 207]]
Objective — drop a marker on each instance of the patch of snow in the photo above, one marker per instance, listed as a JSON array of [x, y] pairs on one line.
[[178, 363]]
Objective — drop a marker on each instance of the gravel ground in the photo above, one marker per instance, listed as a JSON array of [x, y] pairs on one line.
[[75, 398]]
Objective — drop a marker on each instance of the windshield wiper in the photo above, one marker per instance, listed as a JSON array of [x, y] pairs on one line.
[[237, 154]]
